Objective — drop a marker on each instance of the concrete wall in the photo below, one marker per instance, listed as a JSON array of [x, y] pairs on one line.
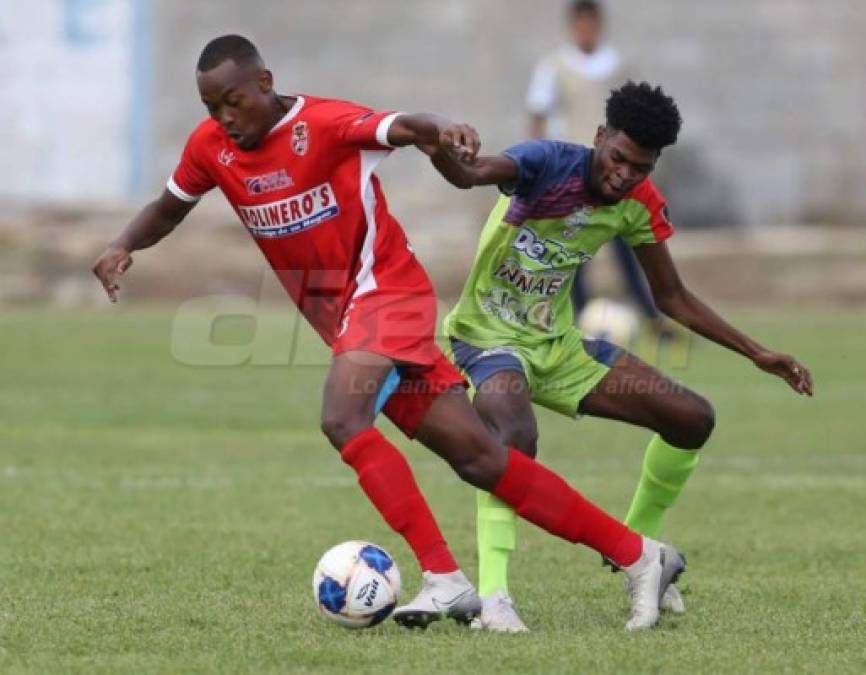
[[57, 60], [772, 91]]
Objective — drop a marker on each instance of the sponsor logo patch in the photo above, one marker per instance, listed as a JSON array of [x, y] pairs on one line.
[[531, 282], [291, 215], [523, 311], [547, 252], [370, 590], [269, 182]]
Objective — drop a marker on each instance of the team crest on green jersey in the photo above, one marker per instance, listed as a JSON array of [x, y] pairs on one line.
[[576, 221]]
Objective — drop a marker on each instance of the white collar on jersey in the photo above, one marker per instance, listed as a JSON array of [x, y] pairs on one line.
[[293, 111]]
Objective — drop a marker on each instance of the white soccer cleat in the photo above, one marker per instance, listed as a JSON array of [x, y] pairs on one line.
[[498, 615], [658, 567], [442, 595], [672, 601]]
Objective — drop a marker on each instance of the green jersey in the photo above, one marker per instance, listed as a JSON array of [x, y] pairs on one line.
[[542, 228]]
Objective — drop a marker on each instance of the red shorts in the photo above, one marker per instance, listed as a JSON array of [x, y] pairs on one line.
[[401, 326], [419, 387]]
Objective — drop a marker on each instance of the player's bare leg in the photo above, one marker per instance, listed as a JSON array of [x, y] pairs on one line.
[[453, 430], [349, 399], [504, 404], [348, 409], [638, 394]]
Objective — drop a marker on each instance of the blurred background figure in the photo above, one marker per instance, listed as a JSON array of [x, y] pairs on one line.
[[566, 100], [569, 87]]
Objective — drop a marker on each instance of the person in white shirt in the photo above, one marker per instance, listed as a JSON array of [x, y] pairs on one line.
[[570, 85], [566, 99]]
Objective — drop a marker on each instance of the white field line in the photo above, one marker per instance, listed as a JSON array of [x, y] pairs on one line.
[[738, 481], [161, 483], [782, 482]]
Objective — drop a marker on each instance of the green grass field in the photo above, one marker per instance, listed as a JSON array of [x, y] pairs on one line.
[[158, 517]]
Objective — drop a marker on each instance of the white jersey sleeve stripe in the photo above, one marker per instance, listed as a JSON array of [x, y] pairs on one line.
[[382, 129], [180, 193], [366, 279]]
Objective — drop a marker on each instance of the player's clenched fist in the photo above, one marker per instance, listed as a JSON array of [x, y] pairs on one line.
[[462, 139], [111, 264]]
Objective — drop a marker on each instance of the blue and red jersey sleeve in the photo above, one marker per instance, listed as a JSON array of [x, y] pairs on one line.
[[647, 216], [542, 164]]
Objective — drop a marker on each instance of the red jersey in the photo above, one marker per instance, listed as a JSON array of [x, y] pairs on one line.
[[309, 198]]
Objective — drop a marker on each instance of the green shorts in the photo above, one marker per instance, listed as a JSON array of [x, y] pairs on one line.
[[560, 371]]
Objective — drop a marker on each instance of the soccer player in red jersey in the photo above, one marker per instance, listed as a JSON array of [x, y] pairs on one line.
[[298, 171]]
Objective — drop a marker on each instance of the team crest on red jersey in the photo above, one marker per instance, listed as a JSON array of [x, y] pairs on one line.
[[226, 157], [300, 138]]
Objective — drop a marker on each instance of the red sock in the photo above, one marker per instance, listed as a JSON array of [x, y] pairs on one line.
[[385, 477], [542, 497]]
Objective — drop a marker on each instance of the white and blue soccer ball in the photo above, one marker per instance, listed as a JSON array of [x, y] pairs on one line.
[[356, 584], [615, 322]]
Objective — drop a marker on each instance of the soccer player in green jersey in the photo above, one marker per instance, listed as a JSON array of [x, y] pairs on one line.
[[512, 331]]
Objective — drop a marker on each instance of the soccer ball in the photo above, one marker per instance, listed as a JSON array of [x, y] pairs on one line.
[[356, 584], [603, 319]]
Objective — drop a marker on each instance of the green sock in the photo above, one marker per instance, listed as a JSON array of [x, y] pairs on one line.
[[497, 534], [665, 472]]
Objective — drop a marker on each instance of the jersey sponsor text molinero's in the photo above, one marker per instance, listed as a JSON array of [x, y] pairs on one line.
[[309, 198]]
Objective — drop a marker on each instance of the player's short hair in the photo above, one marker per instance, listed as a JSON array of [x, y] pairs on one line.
[[228, 48], [576, 7], [645, 114]]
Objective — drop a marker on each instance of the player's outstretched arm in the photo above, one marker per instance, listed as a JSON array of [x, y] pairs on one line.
[[453, 150], [465, 174], [151, 224], [430, 132], [674, 299]]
